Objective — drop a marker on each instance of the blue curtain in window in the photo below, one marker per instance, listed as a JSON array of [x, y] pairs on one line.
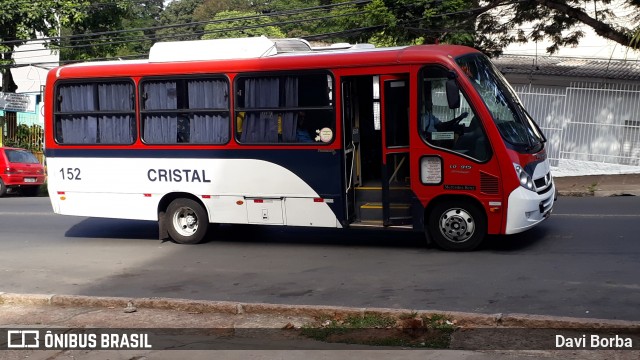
[[261, 127], [208, 128], [116, 129], [290, 118], [160, 128], [78, 128]]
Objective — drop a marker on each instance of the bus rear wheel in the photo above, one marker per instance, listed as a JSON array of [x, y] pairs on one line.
[[186, 221], [457, 226]]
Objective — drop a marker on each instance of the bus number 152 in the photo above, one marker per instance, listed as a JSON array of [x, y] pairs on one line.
[[70, 174]]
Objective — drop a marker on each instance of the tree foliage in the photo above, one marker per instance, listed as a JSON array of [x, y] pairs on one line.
[[207, 9], [422, 21], [144, 14], [78, 41], [181, 12], [501, 23], [236, 24], [21, 21], [490, 25], [103, 32]]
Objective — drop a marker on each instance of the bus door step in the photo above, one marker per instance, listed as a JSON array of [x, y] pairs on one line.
[[373, 211]]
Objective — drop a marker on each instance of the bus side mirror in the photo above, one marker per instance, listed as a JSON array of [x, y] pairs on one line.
[[453, 94]]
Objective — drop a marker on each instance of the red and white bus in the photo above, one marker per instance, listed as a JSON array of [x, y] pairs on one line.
[[253, 131]]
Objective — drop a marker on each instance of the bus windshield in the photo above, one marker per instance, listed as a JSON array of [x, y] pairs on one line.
[[514, 123]]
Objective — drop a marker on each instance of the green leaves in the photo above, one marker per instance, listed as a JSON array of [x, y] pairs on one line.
[[21, 21], [236, 24]]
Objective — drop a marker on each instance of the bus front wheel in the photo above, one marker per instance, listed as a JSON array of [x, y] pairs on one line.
[[186, 221], [457, 226]]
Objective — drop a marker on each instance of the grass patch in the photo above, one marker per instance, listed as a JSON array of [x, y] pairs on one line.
[[592, 188], [406, 330]]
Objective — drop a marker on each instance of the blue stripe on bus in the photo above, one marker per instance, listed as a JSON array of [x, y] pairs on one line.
[[322, 170]]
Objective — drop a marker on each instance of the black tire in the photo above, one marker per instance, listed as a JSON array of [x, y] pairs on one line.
[[30, 190], [3, 188], [457, 226], [186, 221]]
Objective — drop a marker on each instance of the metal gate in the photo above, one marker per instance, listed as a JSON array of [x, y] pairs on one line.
[[594, 122]]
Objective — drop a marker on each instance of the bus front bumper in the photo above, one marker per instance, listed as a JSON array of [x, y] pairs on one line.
[[526, 209]]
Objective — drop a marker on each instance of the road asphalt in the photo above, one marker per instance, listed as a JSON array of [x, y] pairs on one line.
[[226, 319]]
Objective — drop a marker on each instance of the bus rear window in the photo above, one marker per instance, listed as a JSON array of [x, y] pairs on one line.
[[290, 109], [185, 111], [95, 113]]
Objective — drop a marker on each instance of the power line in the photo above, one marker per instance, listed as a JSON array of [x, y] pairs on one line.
[[296, 11], [155, 36], [159, 27], [172, 36]]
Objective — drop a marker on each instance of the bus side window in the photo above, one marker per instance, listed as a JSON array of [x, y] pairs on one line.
[[95, 113], [185, 111], [282, 108]]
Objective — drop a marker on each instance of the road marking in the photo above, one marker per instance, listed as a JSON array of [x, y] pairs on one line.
[[27, 213]]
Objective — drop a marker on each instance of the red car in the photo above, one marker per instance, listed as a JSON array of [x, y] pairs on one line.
[[20, 169]]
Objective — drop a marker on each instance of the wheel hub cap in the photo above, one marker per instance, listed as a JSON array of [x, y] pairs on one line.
[[185, 221], [457, 225]]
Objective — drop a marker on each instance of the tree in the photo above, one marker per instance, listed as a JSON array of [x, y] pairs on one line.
[[207, 9], [109, 30], [492, 25], [500, 22], [237, 24], [144, 14], [180, 12], [86, 39], [294, 22], [21, 21], [421, 21]]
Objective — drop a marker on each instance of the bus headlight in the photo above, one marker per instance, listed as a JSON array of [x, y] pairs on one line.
[[525, 179]]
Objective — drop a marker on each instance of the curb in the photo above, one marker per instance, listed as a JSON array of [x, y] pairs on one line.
[[575, 193], [600, 193], [461, 319], [618, 192]]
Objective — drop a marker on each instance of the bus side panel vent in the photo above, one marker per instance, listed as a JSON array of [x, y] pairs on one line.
[[489, 184]]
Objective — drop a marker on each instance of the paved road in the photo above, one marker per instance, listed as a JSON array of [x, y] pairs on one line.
[[582, 262]]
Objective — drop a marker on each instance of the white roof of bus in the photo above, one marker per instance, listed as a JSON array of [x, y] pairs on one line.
[[110, 62], [218, 49], [241, 48], [235, 48]]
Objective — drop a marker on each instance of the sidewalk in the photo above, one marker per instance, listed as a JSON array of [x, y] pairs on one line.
[[269, 331], [598, 185]]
